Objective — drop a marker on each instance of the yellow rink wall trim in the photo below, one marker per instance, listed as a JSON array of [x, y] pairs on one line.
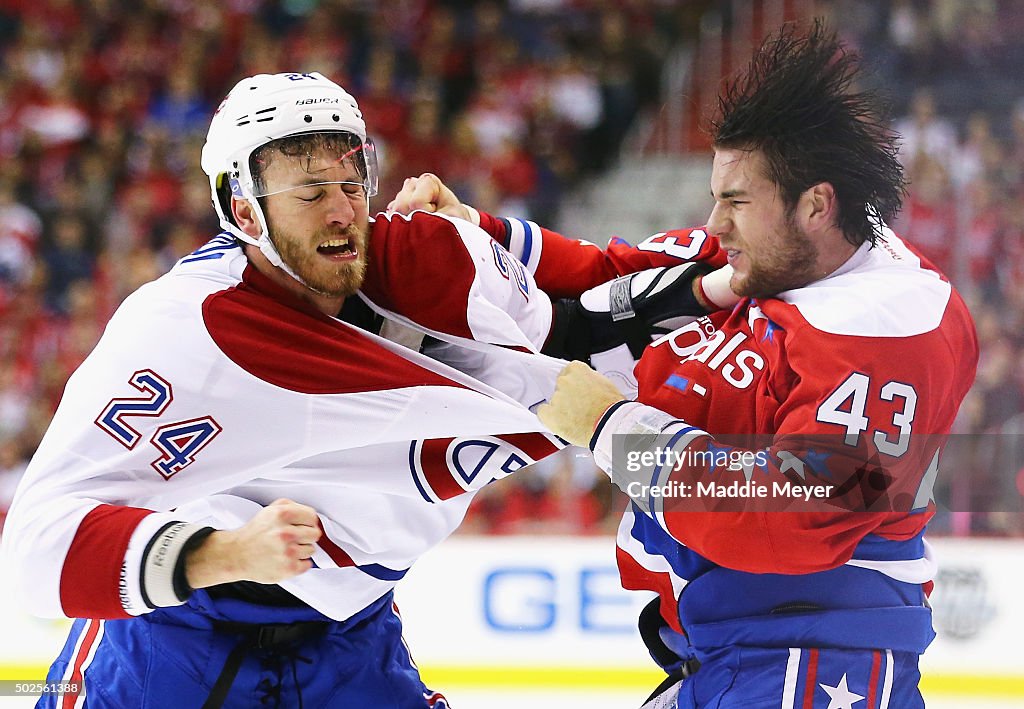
[[441, 676]]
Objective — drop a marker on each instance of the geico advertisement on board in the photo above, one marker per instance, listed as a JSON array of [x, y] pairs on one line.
[[521, 600], [532, 601], [556, 602]]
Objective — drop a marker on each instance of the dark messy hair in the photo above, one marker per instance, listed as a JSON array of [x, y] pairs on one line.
[[796, 104]]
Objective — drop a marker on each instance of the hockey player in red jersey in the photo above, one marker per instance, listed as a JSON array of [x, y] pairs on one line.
[[848, 353]]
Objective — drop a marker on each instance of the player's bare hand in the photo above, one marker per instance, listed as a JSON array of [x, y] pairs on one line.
[[581, 397], [275, 545], [428, 193]]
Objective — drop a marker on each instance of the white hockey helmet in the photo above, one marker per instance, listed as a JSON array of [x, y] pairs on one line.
[[267, 107]]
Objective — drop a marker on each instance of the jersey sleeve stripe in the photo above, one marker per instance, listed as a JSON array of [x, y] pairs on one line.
[[524, 242], [343, 559], [91, 576], [639, 569], [527, 241]]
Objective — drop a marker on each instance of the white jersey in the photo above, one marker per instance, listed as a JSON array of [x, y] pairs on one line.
[[214, 392]]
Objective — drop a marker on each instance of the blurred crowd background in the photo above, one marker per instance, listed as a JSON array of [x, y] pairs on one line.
[[104, 106]]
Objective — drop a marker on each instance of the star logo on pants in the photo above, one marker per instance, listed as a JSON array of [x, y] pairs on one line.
[[840, 696]]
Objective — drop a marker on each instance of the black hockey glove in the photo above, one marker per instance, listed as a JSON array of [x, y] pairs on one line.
[[631, 310]]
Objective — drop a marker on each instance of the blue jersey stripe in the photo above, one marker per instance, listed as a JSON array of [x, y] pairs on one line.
[[684, 562], [527, 242], [672, 441], [207, 257], [382, 572], [875, 548]]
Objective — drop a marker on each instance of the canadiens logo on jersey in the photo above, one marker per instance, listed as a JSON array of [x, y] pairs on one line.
[[445, 467]]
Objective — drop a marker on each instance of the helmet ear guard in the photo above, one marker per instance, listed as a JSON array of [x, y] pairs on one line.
[[225, 189], [235, 187]]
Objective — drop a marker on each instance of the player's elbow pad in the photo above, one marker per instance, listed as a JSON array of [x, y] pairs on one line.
[[630, 310]]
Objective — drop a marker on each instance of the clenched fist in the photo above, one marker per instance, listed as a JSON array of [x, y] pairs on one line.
[[273, 546], [581, 397], [428, 193]]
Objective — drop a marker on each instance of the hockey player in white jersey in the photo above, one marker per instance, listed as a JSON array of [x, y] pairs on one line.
[[242, 469]]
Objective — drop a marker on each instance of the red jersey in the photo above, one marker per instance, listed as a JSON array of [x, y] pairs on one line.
[[878, 355]]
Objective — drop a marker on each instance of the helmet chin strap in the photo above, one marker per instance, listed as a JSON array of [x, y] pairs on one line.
[[267, 248]]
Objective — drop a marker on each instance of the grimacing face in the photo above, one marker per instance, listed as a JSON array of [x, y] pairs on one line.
[[321, 231], [769, 252]]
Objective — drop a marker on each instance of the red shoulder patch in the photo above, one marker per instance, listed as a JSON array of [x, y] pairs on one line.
[[418, 267], [280, 339]]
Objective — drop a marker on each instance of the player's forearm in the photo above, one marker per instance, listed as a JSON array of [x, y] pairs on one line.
[[563, 267], [214, 561], [80, 559], [497, 229], [275, 545], [790, 527]]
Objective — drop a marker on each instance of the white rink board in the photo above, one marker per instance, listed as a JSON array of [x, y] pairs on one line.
[[461, 602], [26, 641], [513, 605], [978, 608], [545, 601]]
